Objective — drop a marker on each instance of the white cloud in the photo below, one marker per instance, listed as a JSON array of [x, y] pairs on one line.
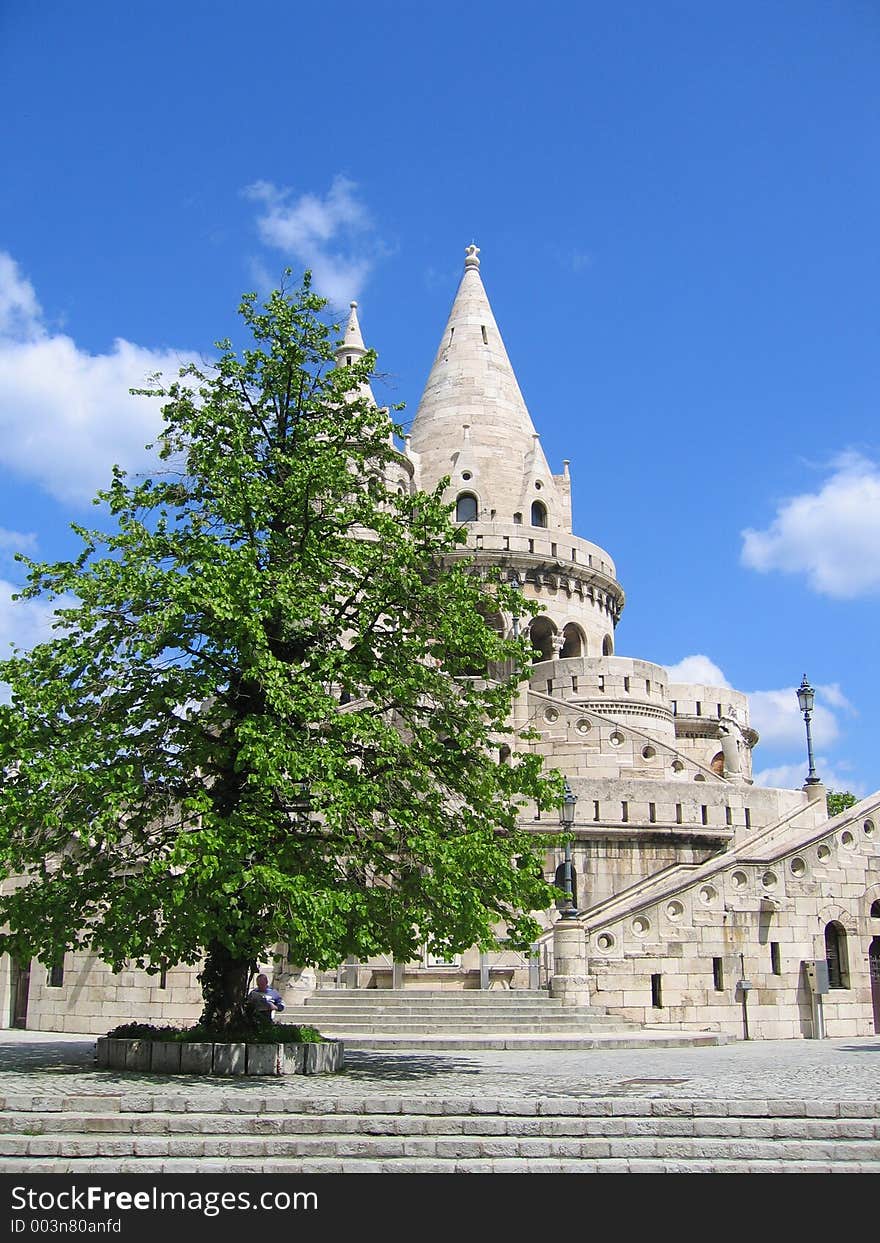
[[831, 692], [832, 536], [333, 236], [20, 313], [66, 416], [23, 622], [17, 541], [793, 776], [777, 718], [699, 669], [775, 714]]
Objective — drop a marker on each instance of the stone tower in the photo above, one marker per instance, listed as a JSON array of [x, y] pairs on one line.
[[473, 426]]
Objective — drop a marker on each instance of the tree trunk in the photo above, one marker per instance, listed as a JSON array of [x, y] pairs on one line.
[[224, 980]]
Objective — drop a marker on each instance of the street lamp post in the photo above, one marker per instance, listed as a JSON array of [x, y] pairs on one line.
[[514, 580], [806, 698], [566, 819], [570, 981]]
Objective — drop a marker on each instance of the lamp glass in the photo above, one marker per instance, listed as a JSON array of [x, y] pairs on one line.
[[806, 696]]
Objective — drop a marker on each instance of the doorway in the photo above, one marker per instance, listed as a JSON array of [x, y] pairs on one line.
[[21, 978], [874, 965]]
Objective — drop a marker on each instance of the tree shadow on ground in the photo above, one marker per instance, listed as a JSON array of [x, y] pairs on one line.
[[76, 1057]]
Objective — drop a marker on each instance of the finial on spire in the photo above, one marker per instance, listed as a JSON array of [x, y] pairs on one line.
[[470, 259], [353, 305]]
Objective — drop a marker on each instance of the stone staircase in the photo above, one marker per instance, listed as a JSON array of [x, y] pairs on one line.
[[226, 1133], [475, 1019]]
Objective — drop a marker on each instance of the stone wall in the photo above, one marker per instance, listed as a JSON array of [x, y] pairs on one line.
[[701, 930]]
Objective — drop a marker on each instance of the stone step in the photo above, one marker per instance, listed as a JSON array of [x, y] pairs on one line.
[[512, 1011], [470, 1022], [548, 1041], [24, 1125], [773, 1152], [220, 1101], [464, 997], [417, 1165]]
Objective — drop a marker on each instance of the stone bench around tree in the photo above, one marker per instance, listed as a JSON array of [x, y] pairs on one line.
[[174, 1057]]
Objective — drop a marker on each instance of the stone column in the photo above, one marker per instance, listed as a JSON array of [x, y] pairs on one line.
[[569, 981]]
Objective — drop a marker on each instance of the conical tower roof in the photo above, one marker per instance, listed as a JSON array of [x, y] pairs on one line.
[[472, 422], [351, 348]]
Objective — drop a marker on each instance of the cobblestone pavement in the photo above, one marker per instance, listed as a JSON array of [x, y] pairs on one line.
[[46, 1064]]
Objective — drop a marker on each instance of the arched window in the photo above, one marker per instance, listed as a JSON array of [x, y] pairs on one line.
[[575, 643], [717, 764], [875, 909], [504, 754], [517, 519], [608, 646], [539, 514], [835, 953], [466, 508], [542, 632]]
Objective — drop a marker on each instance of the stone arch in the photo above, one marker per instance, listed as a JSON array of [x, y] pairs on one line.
[[539, 514], [542, 634], [608, 646], [575, 641], [467, 508]]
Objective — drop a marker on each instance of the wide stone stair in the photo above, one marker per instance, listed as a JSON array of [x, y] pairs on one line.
[[254, 1133], [475, 1019]]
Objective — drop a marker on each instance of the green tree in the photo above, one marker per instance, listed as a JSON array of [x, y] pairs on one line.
[[840, 800], [255, 722]]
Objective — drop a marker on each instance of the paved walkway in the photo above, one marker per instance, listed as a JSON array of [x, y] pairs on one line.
[[49, 1064]]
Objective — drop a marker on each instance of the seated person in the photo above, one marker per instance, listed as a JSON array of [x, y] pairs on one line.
[[263, 1000]]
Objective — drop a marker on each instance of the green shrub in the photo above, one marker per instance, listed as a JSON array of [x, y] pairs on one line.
[[253, 1033]]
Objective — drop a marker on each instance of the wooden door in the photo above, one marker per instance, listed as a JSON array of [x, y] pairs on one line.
[[21, 978]]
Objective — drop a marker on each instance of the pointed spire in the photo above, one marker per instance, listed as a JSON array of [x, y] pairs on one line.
[[351, 348], [472, 383]]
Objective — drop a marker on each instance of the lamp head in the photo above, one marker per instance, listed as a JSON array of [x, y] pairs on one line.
[[806, 696], [567, 807]]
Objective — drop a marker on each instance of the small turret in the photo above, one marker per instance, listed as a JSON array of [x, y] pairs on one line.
[[351, 348]]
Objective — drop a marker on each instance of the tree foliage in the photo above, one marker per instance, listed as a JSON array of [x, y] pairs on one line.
[[255, 722], [840, 800]]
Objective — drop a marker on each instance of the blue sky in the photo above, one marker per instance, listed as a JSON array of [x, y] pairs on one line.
[[677, 207]]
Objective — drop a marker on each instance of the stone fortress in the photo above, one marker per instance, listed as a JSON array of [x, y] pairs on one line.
[[705, 902]]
